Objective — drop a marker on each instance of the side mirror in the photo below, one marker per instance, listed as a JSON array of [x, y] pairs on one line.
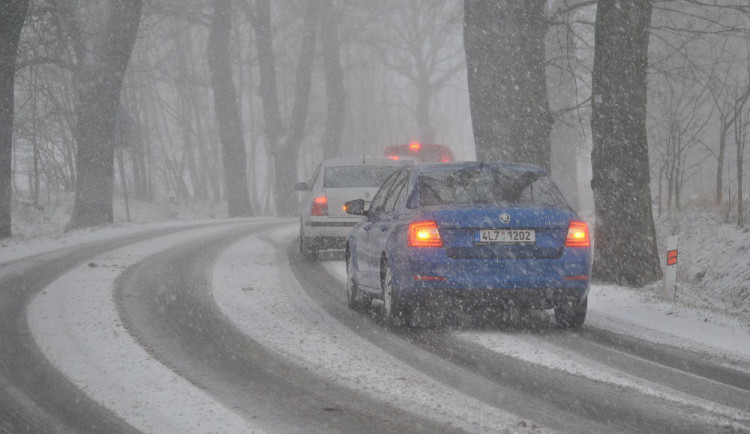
[[300, 186], [356, 207]]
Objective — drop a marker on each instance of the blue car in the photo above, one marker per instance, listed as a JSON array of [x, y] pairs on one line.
[[469, 236]]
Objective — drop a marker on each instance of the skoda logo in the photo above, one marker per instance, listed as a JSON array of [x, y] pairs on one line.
[[504, 217]]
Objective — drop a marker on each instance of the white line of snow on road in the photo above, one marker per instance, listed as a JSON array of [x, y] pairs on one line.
[[76, 325], [255, 288], [531, 349]]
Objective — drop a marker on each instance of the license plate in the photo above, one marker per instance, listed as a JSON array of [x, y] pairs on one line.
[[505, 236]]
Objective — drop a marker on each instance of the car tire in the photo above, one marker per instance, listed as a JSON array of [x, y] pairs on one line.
[[353, 296], [571, 313], [393, 310], [305, 249]]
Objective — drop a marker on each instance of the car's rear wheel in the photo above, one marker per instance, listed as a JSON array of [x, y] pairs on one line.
[[571, 313], [354, 299], [305, 247], [393, 309]]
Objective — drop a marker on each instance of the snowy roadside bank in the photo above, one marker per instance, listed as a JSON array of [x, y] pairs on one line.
[[76, 325], [254, 287]]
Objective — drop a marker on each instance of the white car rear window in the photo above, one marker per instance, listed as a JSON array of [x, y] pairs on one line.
[[356, 176]]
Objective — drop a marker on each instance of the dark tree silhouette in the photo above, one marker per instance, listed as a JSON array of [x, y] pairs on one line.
[[12, 15], [504, 44], [227, 110], [625, 250], [334, 76], [286, 154], [98, 81]]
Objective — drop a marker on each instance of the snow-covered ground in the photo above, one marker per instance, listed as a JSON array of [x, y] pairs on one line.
[[627, 311], [255, 288], [43, 230], [713, 269], [76, 324]]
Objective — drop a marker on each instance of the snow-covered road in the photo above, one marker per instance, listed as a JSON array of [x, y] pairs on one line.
[[140, 329]]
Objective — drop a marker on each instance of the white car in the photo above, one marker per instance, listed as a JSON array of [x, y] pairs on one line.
[[324, 223]]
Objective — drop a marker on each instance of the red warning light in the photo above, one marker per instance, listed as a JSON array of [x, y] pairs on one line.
[[415, 146]]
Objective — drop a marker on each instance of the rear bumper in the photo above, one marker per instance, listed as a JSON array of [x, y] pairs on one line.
[[326, 243], [429, 274], [463, 300], [326, 227]]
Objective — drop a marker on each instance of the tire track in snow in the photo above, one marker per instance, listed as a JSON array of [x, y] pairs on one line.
[[77, 326], [278, 314], [632, 408]]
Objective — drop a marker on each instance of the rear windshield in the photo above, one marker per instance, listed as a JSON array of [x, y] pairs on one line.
[[356, 176], [473, 185]]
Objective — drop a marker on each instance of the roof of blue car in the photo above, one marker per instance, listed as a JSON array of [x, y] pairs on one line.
[[423, 168]]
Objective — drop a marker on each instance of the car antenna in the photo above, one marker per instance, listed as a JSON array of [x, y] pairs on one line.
[[363, 152]]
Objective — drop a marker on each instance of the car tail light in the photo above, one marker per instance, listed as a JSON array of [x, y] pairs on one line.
[[578, 235], [424, 234], [320, 206], [392, 157], [415, 146]]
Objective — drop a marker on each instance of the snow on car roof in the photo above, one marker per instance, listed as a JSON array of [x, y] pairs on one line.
[[422, 168], [350, 161]]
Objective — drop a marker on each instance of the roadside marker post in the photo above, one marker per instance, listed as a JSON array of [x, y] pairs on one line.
[[671, 276]]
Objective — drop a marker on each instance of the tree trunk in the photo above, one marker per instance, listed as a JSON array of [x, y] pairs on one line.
[[661, 173], [505, 55], [530, 116], [273, 126], [227, 111], [424, 101], [335, 93], [625, 250], [720, 169], [98, 82], [486, 54], [12, 15], [740, 129], [285, 159]]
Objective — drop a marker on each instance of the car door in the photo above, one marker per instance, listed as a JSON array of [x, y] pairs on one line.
[[363, 229], [382, 226]]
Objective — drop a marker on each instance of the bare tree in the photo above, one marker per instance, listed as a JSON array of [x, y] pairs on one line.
[[98, 83], [419, 51], [286, 154], [334, 78], [741, 123], [625, 248], [227, 110], [505, 55], [679, 123], [12, 15]]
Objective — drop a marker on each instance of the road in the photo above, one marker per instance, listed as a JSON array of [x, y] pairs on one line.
[[263, 340]]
